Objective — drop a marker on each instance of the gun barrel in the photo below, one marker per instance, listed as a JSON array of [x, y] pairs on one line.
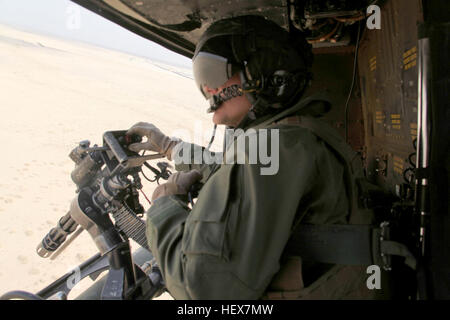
[[56, 236]]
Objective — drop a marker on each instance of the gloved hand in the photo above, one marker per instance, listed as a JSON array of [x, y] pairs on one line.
[[179, 183], [156, 140]]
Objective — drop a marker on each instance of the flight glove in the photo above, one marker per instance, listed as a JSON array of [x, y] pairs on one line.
[[179, 183], [156, 140]]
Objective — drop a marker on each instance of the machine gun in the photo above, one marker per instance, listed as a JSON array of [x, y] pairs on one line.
[[107, 207]]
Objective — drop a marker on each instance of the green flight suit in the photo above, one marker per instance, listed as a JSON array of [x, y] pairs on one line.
[[230, 244]]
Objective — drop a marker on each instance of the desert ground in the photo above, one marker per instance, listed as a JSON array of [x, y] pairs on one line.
[[53, 94]]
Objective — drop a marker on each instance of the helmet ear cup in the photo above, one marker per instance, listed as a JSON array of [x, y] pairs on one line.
[[280, 80], [264, 52]]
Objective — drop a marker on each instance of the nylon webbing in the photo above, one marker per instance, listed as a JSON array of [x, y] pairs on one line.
[[345, 245], [336, 244]]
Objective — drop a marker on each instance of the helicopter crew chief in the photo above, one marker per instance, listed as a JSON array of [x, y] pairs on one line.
[[230, 245]]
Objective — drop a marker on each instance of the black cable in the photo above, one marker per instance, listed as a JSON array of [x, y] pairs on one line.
[[212, 137], [155, 171], [17, 294], [147, 165], [412, 162], [142, 171], [355, 63]]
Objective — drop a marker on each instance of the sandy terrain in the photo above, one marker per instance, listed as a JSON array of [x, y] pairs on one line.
[[54, 94]]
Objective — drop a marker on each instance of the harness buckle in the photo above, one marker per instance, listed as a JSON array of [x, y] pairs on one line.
[[385, 236], [388, 248]]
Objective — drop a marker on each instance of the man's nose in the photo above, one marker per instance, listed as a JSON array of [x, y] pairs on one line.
[[210, 90]]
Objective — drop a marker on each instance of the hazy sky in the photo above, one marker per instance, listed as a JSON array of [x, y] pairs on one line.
[[65, 19]]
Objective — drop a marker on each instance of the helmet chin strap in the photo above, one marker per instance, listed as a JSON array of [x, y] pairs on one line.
[[226, 94]]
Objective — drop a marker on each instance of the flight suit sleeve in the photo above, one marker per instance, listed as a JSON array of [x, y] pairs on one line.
[[165, 227], [230, 244]]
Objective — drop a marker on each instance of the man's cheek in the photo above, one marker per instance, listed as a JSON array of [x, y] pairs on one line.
[[217, 117]]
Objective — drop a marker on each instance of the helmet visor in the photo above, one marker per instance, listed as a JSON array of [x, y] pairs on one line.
[[210, 70]]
